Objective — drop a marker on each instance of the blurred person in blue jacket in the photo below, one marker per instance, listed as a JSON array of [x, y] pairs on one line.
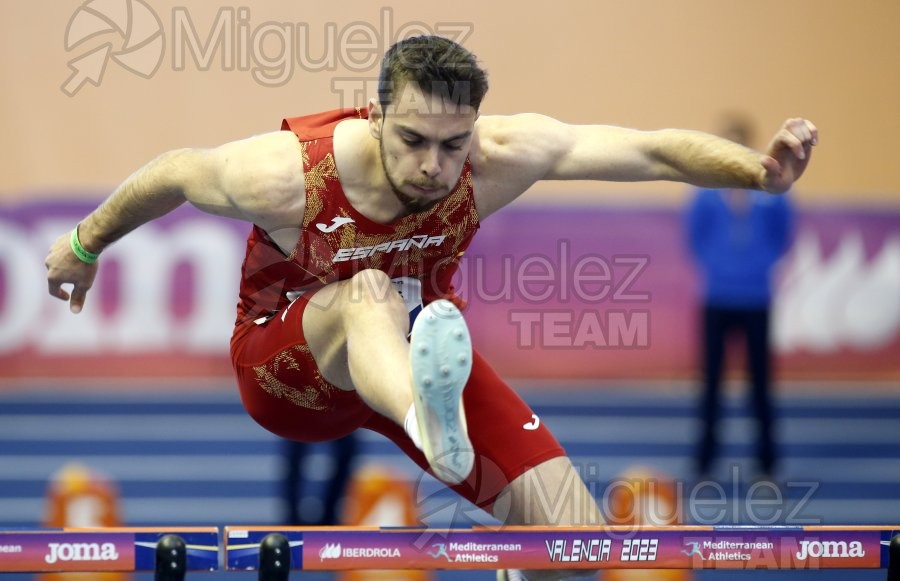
[[736, 238]]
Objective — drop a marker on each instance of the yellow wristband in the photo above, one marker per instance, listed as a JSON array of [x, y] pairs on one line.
[[83, 255]]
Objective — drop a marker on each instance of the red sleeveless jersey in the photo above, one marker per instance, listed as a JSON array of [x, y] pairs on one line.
[[337, 242]]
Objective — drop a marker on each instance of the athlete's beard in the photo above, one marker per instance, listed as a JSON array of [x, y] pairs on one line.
[[411, 204]]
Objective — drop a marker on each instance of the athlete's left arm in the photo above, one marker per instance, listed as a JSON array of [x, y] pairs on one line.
[[514, 152]]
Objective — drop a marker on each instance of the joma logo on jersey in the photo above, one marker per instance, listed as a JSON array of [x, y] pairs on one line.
[[81, 552], [422, 241], [836, 549]]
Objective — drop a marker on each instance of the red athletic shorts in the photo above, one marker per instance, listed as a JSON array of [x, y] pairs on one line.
[[283, 390]]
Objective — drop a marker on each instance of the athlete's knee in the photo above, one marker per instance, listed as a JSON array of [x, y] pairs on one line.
[[372, 289], [370, 286]]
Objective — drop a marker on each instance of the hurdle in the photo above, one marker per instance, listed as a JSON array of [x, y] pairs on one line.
[[169, 552], [615, 547], [275, 552]]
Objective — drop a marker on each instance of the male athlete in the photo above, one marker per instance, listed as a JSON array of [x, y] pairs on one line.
[[360, 217]]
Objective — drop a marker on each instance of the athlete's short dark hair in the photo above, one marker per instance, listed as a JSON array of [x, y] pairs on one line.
[[438, 66]]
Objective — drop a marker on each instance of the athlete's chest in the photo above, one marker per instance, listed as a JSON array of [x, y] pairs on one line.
[[345, 237]]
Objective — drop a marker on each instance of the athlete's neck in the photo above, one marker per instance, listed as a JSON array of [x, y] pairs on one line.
[[363, 179]]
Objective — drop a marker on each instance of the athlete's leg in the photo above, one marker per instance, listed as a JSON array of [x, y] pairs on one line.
[[356, 330], [550, 494], [521, 473]]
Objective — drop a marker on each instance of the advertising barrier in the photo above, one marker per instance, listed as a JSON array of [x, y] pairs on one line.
[[567, 293]]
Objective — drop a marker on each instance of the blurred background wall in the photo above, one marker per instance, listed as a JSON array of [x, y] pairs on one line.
[[646, 64], [93, 90]]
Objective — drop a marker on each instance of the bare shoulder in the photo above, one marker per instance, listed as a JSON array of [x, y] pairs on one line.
[[262, 175], [508, 137], [510, 153]]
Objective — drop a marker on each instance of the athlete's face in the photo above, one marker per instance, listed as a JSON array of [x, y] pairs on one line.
[[424, 141]]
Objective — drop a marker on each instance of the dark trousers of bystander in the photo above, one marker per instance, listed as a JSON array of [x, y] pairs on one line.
[[719, 324]]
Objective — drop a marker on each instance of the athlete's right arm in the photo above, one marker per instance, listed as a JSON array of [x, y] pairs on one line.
[[254, 179]]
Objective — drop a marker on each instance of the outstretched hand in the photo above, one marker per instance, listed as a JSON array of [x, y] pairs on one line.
[[64, 267], [788, 154]]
